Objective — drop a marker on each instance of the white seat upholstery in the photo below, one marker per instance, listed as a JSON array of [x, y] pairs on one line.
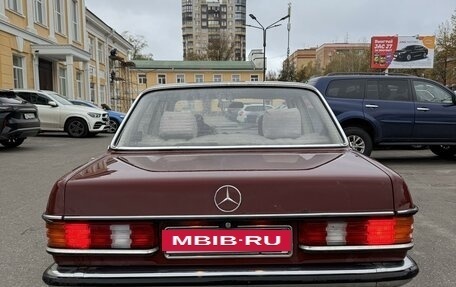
[[282, 123], [178, 125]]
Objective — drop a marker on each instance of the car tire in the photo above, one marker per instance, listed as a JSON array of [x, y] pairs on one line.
[[113, 126], [408, 57], [359, 140], [77, 128], [12, 142], [444, 151]]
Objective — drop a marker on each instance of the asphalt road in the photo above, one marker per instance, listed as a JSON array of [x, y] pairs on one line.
[[27, 175]]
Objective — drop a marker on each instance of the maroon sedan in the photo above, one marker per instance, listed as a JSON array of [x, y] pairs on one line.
[[186, 197]]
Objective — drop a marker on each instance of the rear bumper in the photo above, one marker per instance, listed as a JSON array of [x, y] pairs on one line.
[[391, 274]]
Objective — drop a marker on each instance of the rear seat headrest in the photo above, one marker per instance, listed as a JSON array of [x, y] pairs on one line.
[[178, 125], [282, 123]]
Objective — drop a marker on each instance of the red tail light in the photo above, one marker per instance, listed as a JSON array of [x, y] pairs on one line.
[[374, 231], [101, 236]]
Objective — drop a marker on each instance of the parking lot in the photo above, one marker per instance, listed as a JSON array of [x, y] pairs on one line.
[[27, 174]]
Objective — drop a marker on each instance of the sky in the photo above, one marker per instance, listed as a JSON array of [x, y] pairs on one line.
[[313, 22]]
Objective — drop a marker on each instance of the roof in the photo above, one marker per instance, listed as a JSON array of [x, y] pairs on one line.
[[195, 65]]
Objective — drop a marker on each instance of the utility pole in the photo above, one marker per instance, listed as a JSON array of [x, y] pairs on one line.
[[288, 47]]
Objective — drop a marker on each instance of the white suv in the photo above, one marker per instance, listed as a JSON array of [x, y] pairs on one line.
[[57, 114]]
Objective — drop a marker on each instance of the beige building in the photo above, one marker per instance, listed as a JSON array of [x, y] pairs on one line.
[[325, 52], [204, 20], [44, 45], [150, 73], [322, 55], [302, 57]]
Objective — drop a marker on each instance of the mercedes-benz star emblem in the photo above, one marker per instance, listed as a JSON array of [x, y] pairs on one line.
[[227, 198]]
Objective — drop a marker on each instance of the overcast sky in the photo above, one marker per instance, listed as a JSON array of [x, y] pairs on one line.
[[313, 22]]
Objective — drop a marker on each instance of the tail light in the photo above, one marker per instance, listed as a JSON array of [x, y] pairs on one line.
[[372, 231], [83, 235]]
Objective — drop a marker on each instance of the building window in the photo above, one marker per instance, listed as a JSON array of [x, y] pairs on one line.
[[180, 78], [59, 18], [254, 78], [92, 48], [75, 19], [62, 81], [79, 85], [142, 79], [235, 78], [100, 51], [199, 78], [103, 94], [40, 12], [15, 5], [161, 79], [217, 78], [92, 92], [18, 72]]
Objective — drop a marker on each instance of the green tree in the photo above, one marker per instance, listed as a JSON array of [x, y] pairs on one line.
[[351, 61], [288, 72]]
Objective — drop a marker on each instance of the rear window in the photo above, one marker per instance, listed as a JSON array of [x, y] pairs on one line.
[[197, 117], [346, 89]]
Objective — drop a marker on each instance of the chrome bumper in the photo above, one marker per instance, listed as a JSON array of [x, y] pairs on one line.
[[365, 275]]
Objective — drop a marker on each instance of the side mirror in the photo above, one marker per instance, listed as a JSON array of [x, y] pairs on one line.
[[53, 104]]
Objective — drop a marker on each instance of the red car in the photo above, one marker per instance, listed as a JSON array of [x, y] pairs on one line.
[[186, 197]]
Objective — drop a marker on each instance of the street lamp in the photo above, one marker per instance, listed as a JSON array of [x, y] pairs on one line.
[[261, 27]]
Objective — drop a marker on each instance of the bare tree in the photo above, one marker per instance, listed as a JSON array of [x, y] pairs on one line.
[[139, 44]]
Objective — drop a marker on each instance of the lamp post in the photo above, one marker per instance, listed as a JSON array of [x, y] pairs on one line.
[[261, 27]]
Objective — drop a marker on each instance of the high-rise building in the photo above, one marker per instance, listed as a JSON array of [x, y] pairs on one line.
[[206, 22]]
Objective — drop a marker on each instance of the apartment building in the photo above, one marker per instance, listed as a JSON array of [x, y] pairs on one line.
[[149, 73], [303, 57], [204, 21], [45, 44]]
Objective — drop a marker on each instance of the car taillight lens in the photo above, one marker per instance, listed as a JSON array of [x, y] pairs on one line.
[[83, 235], [372, 231]]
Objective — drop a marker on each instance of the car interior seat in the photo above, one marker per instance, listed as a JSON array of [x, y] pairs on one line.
[[282, 123], [178, 125]]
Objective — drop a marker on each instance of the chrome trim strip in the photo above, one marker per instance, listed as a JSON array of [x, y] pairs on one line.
[[103, 251], [356, 247], [407, 264], [222, 256], [51, 217], [410, 211], [225, 148], [225, 216]]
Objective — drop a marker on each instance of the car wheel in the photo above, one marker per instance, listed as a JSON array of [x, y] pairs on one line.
[[113, 126], [12, 142], [77, 128], [409, 57], [445, 151], [359, 140], [424, 55]]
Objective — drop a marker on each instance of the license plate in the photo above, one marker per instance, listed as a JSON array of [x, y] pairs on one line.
[[29, 116], [226, 241]]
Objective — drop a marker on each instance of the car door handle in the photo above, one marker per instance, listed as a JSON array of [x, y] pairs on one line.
[[423, 109], [372, 106]]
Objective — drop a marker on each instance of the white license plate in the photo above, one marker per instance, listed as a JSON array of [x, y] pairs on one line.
[[29, 116]]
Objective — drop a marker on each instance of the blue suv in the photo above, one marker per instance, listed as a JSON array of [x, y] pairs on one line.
[[389, 110]]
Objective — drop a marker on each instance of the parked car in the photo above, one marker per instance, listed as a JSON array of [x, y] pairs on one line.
[[250, 112], [56, 113], [115, 118], [18, 120], [411, 52], [292, 206], [233, 108], [392, 110]]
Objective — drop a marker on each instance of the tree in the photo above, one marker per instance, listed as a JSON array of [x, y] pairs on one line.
[[445, 52], [219, 48], [139, 44], [349, 61], [288, 72]]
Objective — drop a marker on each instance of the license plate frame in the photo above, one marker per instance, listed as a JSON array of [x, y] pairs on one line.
[[264, 241]]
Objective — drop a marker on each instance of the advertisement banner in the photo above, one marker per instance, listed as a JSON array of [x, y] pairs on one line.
[[402, 52]]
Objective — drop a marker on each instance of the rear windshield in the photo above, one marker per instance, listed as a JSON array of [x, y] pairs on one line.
[[203, 117]]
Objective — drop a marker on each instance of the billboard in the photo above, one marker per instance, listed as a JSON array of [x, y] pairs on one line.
[[402, 52]]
